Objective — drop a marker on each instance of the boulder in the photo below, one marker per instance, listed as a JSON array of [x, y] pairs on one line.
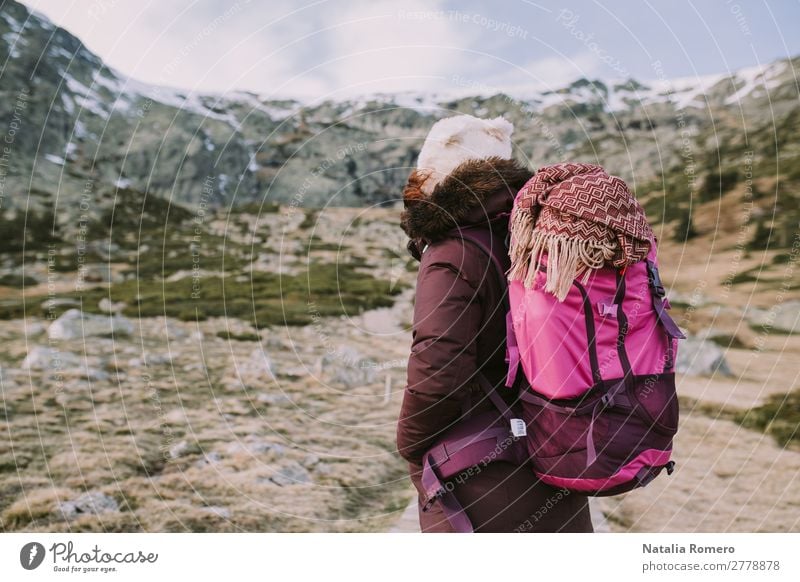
[[183, 448], [34, 328], [44, 358], [348, 368], [209, 459], [98, 273], [291, 474], [109, 306], [219, 511], [75, 324], [273, 398], [701, 357], [783, 317], [150, 359], [90, 503], [254, 370], [255, 446]]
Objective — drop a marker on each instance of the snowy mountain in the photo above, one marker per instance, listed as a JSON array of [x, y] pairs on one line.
[[86, 130]]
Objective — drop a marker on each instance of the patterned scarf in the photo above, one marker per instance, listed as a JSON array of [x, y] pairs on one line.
[[582, 218]]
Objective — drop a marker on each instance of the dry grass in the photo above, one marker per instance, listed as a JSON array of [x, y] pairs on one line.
[[197, 440]]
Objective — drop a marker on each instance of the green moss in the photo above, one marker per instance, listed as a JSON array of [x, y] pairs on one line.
[[31, 230], [779, 416], [239, 337], [750, 276], [310, 220], [685, 229], [761, 236], [315, 243], [132, 214], [729, 341], [168, 255], [717, 183], [263, 299], [17, 281], [265, 207], [781, 259], [12, 309]]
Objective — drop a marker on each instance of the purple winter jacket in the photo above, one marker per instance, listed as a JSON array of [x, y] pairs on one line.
[[459, 328]]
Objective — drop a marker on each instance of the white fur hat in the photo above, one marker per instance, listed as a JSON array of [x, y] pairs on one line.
[[454, 140]]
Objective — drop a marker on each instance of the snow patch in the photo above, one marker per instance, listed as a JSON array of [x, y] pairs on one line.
[[86, 98], [253, 165], [275, 111], [758, 77], [55, 159]]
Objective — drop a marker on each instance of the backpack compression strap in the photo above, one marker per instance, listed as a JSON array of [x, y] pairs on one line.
[[472, 450], [670, 327]]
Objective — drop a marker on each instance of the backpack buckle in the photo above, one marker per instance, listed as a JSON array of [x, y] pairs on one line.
[[607, 309], [432, 499], [655, 280]]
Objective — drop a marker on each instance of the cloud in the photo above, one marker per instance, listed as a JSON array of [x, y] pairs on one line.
[[284, 47], [379, 47], [545, 73]]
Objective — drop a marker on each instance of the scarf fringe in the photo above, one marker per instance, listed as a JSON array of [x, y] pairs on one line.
[[521, 229], [567, 258]]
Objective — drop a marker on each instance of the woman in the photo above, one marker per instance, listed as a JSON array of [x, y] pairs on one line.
[[466, 176]]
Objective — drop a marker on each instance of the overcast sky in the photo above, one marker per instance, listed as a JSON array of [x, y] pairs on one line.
[[339, 48]]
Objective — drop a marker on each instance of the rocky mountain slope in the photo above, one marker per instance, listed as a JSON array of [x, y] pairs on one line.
[[85, 129], [221, 354]]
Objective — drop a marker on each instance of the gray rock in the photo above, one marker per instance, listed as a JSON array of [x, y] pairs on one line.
[[219, 511], [111, 307], [90, 503], [212, 458], [90, 373], [256, 370], [75, 324], [273, 398], [701, 357], [291, 474], [98, 273], [694, 299], [256, 446], [783, 317], [34, 328], [310, 460], [44, 358], [348, 368], [183, 448], [150, 359], [104, 249]]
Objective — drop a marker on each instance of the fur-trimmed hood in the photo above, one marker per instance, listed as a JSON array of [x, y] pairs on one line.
[[477, 191]]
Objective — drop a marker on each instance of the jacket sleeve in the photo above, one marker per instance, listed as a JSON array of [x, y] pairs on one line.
[[447, 319]]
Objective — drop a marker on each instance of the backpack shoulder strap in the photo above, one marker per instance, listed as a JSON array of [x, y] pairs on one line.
[[494, 247]]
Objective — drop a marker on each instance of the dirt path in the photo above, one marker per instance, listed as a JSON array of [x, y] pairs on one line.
[[728, 478]]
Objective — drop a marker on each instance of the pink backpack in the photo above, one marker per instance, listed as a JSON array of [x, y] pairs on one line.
[[599, 403], [597, 408]]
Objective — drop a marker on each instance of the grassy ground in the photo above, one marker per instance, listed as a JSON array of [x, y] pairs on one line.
[[181, 424]]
